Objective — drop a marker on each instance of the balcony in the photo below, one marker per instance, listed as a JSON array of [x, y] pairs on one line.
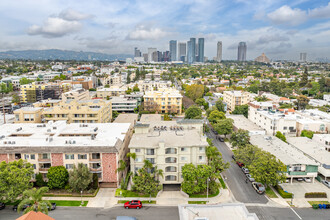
[[297, 173], [99, 169], [43, 169], [95, 157], [44, 158]]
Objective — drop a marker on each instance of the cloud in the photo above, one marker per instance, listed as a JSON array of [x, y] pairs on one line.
[[279, 49], [72, 15], [55, 27], [287, 16], [142, 32], [67, 22], [321, 12], [272, 38]]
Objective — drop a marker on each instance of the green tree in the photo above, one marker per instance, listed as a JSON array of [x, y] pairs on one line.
[[247, 154], [40, 180], [220, 106], [280, 136], [80, 178], [216, 116], [304, 78], [128, 91], [107, 86], [261, 98], [306, 133], [202, 102], [267, 169], [302, 102], [241, 110], [4, 88], [315, 88], [34, 198], [194, 91], [193, 112], [224, 126], [167, 118], [24, 81], [136, 88], [15, 178], [114, 115], [57, 177], [15, 98], [239, 138]]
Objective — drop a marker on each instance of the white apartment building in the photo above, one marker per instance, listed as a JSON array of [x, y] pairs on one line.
[[169, 145], [236, 98], [115, 79], [323, 139], [122, 104], [76, 94]]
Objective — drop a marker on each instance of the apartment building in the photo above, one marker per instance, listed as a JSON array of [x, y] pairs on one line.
[[151, 85], [28, 115], [319, 121], [115, 79], [236, 98], [122, 104], [323, 139], [76, 94], [272, 121], [84, 111], [163, 101], [99, 146], [105, 93], [169, 145], [38, 91], [298, 165]]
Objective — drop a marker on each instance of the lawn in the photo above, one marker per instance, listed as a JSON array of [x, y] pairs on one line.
[[270, 193], [143, 202], [223, 184], [196, 202], [318, 202], [203, 195], [65, 193], [68, 202], [129, 193]]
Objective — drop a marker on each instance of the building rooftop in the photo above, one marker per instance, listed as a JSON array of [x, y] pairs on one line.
[[241, 122], [28, 109], [126, 118], [311, 148], [275, 115], [150, 117], [283, 151], [60, 134]]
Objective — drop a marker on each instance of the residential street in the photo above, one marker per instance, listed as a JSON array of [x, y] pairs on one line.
[[242, 191]]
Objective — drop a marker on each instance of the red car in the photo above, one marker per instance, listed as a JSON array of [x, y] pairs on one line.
[[134, 204], [240, 164]]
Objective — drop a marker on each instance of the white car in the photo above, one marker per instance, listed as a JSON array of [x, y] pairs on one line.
[[307, 180], [327, 183], [245, 170], [250, 177]]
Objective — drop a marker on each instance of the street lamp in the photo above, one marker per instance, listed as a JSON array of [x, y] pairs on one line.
[[207, 190], [81, 204], [292, 199]]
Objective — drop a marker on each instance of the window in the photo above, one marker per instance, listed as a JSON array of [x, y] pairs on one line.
[[26, 156], [69, 156], [170, 169], [82, 156], [201, 149], [150, 151], [284, 128], [137, 150], [34, 166], [151, 160], [170, 178], [291, 128], [184, 158], [170, 160], [96, 165], [99, 175], [170, 151], [69, 166], [96, 156], [201, 158], [45, 156], [183, 149], [33, 156], [138, 159]]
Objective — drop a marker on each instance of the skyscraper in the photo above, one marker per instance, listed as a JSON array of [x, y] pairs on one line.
[[219, 51], [191, 50], [182, 52], [303, 57], [241, 55], [150, 51], [173, 50], [201, 50], [137, 53]]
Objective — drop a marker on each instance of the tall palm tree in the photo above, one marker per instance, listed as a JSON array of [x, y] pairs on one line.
[[34, 197], [132, 155], [158, 172], [122, 166]]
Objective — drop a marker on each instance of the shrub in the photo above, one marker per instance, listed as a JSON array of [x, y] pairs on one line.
[[57, 177], [284, 194], [315, 206], [95, 183], [40, 180], [316, 195], [122, 183]]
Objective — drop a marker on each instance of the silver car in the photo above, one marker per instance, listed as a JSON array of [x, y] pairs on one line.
[[327, 183], [250, 177]]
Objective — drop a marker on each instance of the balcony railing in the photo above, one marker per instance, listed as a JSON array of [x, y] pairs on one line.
[[43, 169], [44, 159], [95, 169]]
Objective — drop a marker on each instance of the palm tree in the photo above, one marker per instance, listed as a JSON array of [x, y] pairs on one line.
[[122, 166], [158, 172], [132, 155], [34, 197]]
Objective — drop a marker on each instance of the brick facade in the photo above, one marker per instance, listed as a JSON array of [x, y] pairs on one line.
[[57, 159], [3, 157], [109, 166]]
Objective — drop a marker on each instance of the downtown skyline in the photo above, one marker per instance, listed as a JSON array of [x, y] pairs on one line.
[[281, 29]]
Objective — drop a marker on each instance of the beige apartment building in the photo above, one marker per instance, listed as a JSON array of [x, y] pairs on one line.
[[235, 98], [84, 111], [166, 100], [76, 94], [169, 145], [28, 115], [105, 93]]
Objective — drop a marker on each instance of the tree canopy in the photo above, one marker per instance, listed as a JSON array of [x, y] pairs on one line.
[[34, 197], [239, 138], [193, 112], [220, 105], [224, 126], [215, 116], [80, 177], [194, 91], [241, 110], [57, 177]]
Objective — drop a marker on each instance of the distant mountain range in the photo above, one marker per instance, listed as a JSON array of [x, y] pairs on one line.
[[54, 54]]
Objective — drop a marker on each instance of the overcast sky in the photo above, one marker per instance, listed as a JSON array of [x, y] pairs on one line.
[[280, 28]]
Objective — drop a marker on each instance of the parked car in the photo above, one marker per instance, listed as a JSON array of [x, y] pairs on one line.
[[233, 156], [221, 139], [259, 187], [250, 177], [2, 205], [299, 179], [325, 182], [245, 170], [240, 164], [53, 207], [134, 204], [307, 180]]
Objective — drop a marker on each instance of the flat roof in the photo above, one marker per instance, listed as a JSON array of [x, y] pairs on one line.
[[150, 117], [283, 151], [240, 121], [126, 118], [60, 134], [311, 148]]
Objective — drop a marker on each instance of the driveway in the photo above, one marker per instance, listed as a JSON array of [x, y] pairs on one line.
[[235, 179], [105, 198]]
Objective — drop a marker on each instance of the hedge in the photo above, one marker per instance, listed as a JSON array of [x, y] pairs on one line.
[[284, 194], [316, 195]]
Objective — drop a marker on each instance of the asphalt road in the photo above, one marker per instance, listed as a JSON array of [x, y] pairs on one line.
[[242, 191], [72, 213]]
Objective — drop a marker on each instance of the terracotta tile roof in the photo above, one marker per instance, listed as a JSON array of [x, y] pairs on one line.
[[284, 99], [32, 215]]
